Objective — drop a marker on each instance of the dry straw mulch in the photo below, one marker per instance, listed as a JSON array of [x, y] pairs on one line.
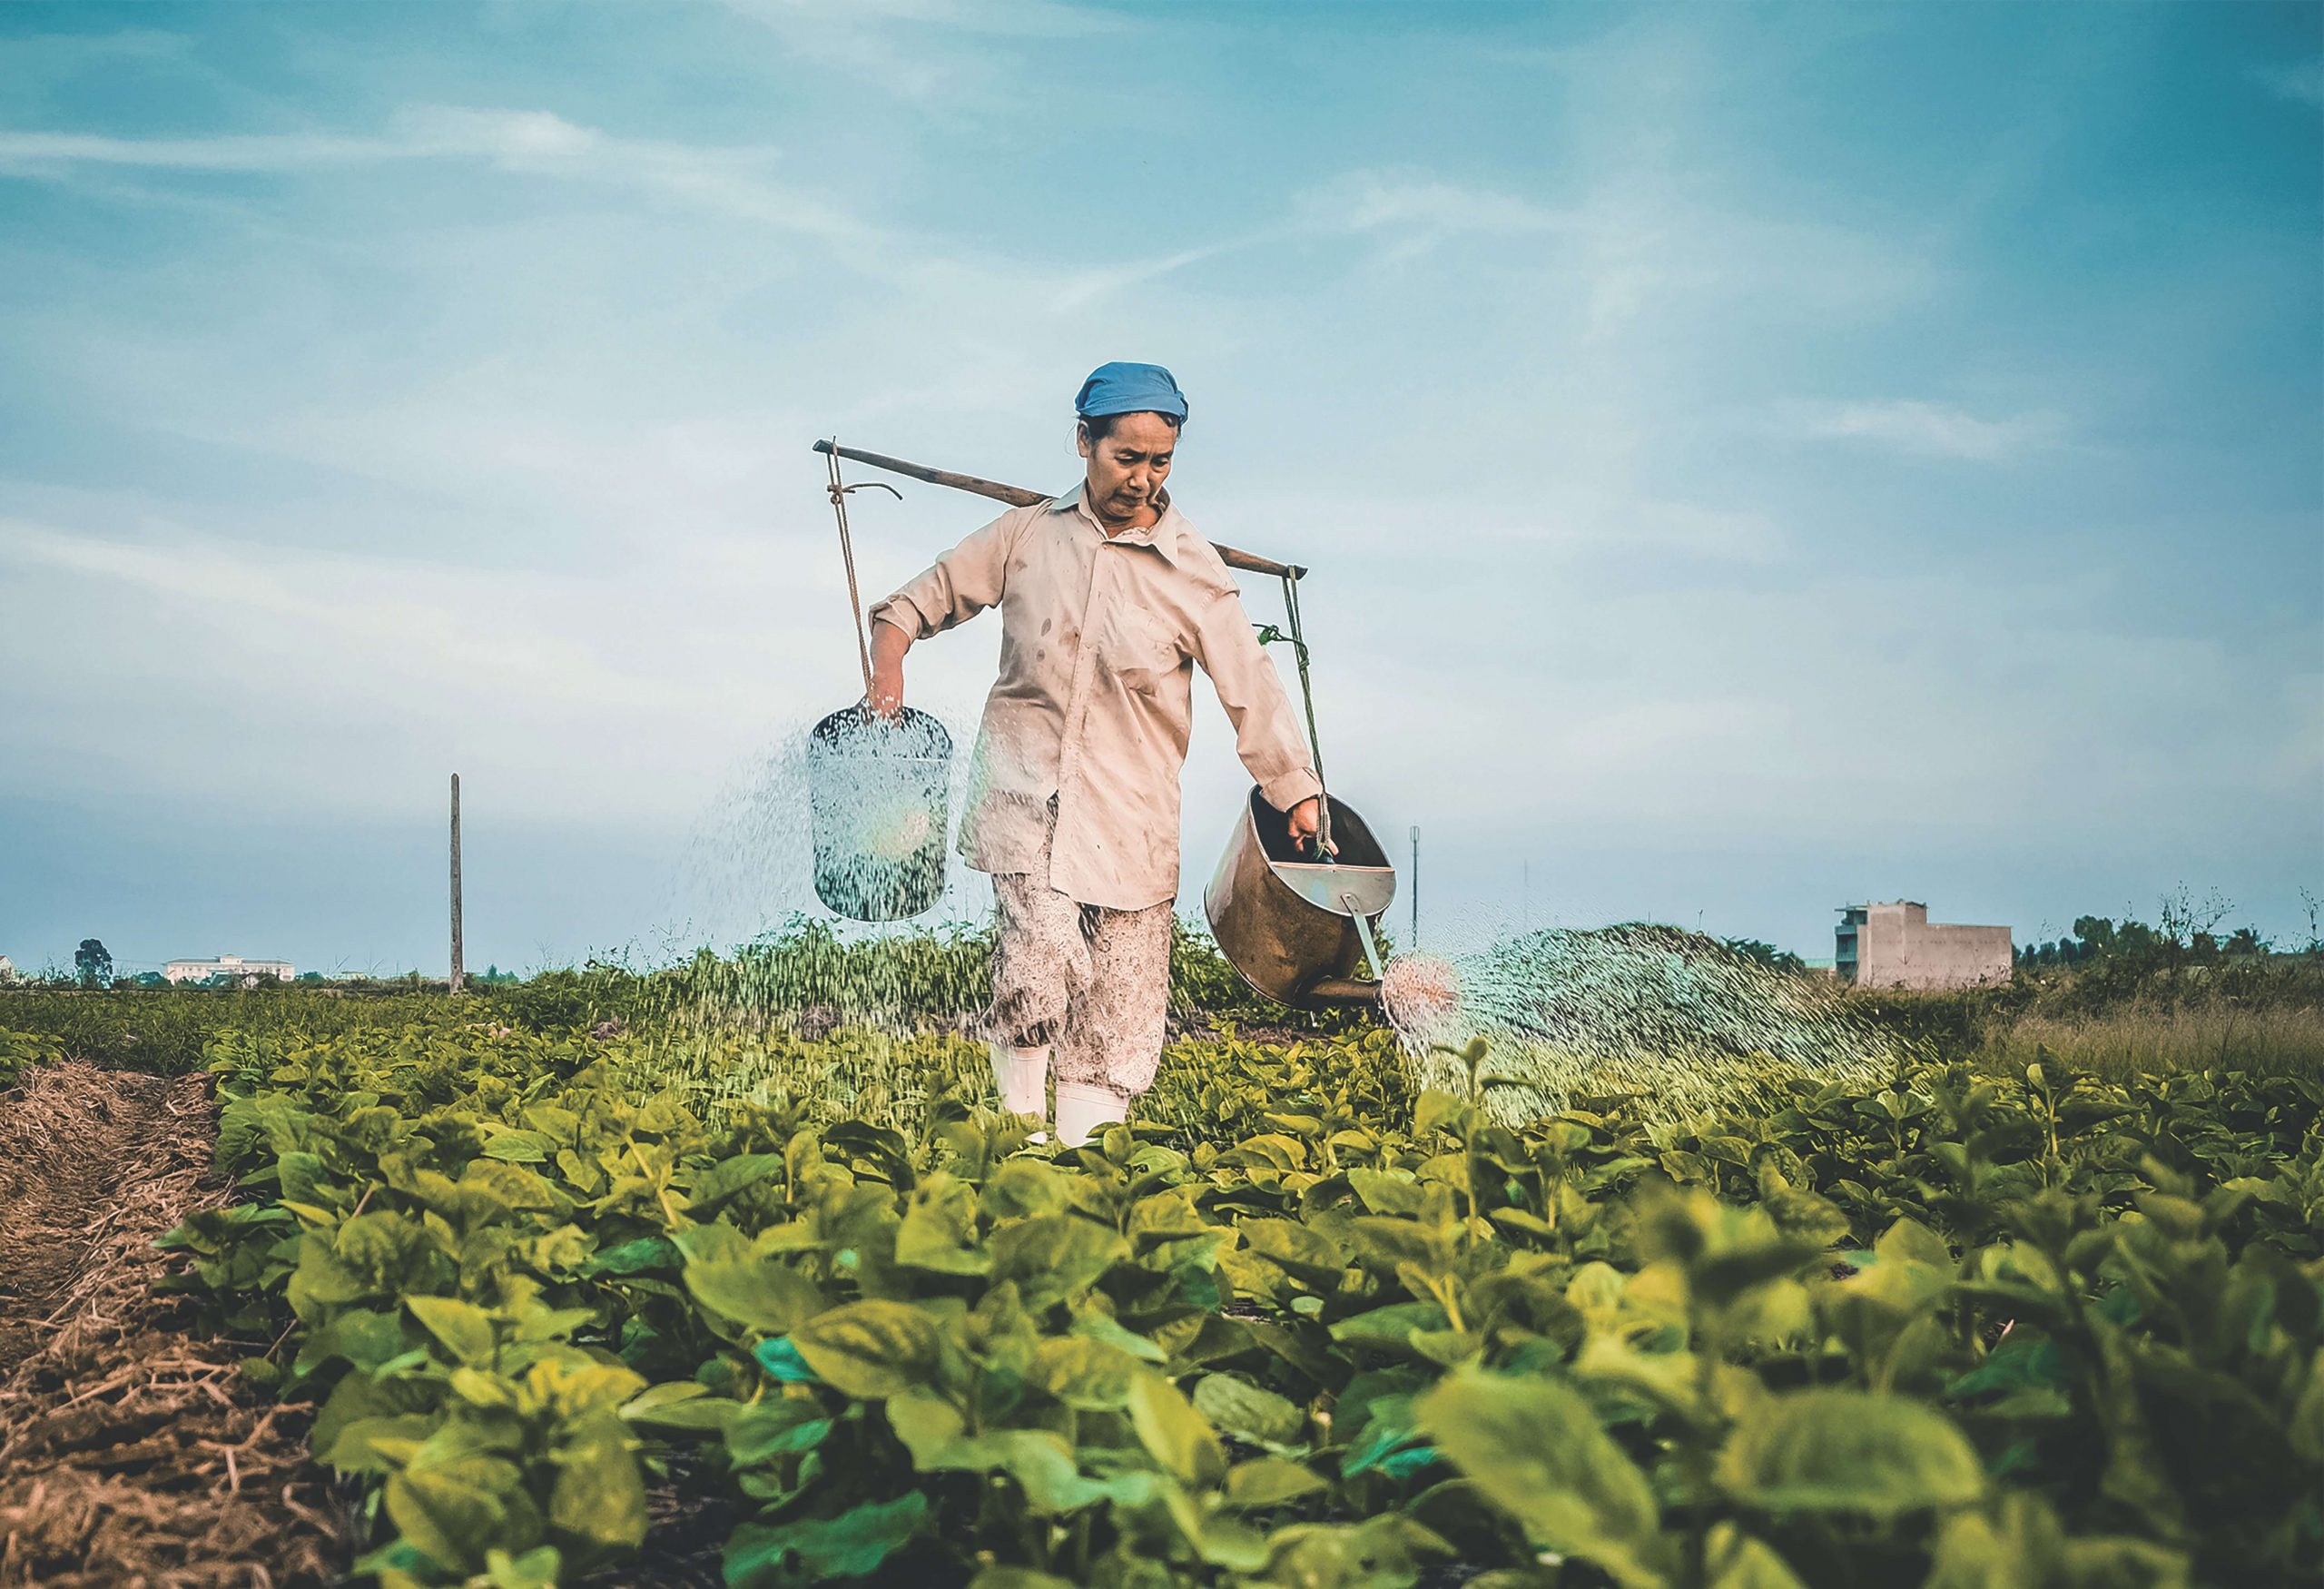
[[133, 1453]]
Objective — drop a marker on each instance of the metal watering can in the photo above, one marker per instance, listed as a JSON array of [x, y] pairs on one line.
[[1300, 928], [879, 792], [878, 795]]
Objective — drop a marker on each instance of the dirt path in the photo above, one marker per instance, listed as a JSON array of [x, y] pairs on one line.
[[132, 1454]]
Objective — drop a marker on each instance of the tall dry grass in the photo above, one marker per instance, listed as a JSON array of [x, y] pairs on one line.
[[2143, 1040]]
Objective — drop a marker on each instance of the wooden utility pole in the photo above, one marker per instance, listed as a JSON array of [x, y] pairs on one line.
[[459, 974]]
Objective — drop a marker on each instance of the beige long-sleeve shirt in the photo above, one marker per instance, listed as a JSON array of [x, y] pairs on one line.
[[1098, 639]]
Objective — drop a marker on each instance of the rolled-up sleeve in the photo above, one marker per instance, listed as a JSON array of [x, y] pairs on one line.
[[1266, 731], [957, 587]]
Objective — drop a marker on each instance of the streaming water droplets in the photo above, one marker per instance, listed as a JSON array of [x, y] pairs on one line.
[[1679, 1023]]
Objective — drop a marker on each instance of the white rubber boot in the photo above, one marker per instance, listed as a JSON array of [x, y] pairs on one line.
[[1023, 1077], [1083, 1107]]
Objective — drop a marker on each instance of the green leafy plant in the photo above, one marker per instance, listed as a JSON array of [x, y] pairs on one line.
[[1303, 1326]]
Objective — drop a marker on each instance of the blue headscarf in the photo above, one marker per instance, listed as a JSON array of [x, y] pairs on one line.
[[1130, 389]]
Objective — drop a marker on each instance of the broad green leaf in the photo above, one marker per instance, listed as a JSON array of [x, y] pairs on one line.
[[1535, 1449], [451, 1522], [354, 1399], [489, 1191], [377, 1444], [324, 1280], [574, 1383], [1909, 1241], [365, 1337], [478, 1388], [1173, 1432], [642, 1256], [869, 1349], [782, 1362], [1170, 1215], [1022, 1188], [520, 1146], [1052, 1256], [2121, 1561], [1386, 1192], [600, 1495], [2027, 1362], [1722, 1277], [682, 1405], [1833, 1450], [939, 1228], [303, 1178], [776, 1426], [1039, 1460], [2015, 1543], [814, 1550], [1084, 1373], [709, 1242], [1101, 1327], [728, 1177], [465, 1330], [535, 1569], [1387, 1552], [381, 1242], [1737, 1561], [763, 1293], [1303, 1253], [1248, 1411], [1270, 1482], [1389, 1328]]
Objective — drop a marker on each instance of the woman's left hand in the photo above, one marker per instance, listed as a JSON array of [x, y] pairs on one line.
[[1307, 819]]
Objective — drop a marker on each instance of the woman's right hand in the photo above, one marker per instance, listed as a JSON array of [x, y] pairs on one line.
[[889, 644], [887, 691]]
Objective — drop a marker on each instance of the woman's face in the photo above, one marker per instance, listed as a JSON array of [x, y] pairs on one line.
[[1128, 465]]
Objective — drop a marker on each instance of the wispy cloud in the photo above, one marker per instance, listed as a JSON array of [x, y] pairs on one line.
[[1412, 201], [1630, 243], [999, 18], [590, 678], [380, 607], [731, 181], [925, 51], [2300, 80], [1932, 429]]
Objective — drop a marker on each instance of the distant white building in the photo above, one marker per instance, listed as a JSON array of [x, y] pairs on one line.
[[1895, 945], [7, 969], [246, 972]]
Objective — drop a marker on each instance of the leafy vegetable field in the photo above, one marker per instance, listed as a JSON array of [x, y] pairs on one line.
[[1302, 1328]]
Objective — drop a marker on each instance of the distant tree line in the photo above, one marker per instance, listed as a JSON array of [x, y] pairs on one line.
[[2186, 934]]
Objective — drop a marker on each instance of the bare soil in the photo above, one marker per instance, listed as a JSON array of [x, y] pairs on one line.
[[134, 1454]]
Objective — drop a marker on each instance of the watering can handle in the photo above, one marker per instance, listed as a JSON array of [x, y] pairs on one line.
[[1018, 497]]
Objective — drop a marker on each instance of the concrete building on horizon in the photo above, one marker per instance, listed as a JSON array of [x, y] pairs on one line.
[[1895, 945], [246, 972]]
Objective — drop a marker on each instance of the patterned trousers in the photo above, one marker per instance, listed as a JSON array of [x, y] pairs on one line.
[[1094, 982]]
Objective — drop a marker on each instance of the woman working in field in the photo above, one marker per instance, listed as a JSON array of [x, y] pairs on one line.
[[1107, 600]]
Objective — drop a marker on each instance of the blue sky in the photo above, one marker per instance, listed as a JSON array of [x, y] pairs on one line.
[[1753, 457]]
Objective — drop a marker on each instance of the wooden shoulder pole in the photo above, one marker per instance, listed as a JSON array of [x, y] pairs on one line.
[[1018, 497]]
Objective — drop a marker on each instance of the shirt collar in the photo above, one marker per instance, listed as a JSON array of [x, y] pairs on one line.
[[1162, 535]]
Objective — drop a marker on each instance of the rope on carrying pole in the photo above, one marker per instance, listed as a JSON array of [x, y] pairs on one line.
[[1268, 634], [847, 555]]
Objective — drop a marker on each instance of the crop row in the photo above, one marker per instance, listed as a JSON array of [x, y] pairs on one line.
[[1306, 1328]]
